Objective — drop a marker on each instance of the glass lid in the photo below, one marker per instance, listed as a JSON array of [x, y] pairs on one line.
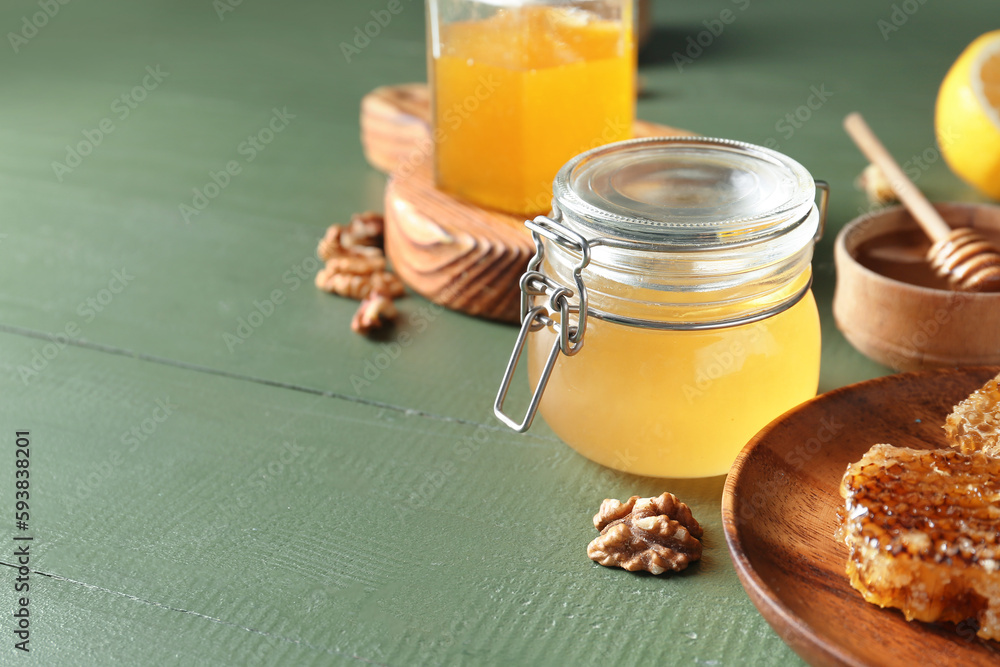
[[684, 191]]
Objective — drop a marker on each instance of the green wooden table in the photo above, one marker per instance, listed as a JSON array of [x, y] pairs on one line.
[[209, 486]]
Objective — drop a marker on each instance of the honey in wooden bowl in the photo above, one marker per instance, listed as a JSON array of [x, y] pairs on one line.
[[893, 309], [902, 255]]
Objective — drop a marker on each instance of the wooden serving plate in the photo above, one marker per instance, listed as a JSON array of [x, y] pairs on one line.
[[779, 512], [452, 252]]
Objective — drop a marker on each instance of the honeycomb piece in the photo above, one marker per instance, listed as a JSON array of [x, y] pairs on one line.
[[974, 424], [923, 530]]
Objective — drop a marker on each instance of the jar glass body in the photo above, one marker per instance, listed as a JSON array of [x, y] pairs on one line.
[[520, 87], [668, 313], [675, 403]]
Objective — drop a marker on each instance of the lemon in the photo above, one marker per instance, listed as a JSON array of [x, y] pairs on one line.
[[967, 119]]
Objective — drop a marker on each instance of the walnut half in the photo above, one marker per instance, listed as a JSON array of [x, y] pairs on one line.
[[876, 186], [652, 534], [355, 261], [376, 311], [355, 267]]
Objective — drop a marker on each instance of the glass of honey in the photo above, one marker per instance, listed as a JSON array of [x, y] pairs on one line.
[[667, 311], [521, 86]]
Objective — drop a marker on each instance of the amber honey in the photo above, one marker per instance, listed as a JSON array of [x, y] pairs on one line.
[[902, 255], [518, 94], [678, 403]]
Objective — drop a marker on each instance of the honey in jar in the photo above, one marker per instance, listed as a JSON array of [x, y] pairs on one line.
[[668, 314], [520, 87]]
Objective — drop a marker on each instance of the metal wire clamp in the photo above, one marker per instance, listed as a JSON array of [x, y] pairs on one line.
[[824, 202], [569, 338]]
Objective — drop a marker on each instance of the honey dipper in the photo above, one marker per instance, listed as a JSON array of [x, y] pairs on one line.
[[962, 256]]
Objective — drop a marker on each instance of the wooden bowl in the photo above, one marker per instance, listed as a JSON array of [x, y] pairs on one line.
[[779, 512], [905, 326]]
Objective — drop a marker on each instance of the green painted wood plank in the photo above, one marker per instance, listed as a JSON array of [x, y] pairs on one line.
[[220, 80], [392, 537], [255, 518]]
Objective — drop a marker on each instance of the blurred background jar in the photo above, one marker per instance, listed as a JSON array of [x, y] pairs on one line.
[[521, 86]]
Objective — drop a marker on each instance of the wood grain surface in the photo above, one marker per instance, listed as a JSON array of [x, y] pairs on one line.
[[449, 250], [411, 528], [780, 513]]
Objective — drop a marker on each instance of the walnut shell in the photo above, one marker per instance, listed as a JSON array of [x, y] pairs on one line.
[[651, 534], [358, 285], [376, 311], [365, 229], [355, 262], [356, 268], [876, 186]]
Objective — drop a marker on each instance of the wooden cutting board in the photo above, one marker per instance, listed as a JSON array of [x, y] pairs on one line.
[[450, 251]]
